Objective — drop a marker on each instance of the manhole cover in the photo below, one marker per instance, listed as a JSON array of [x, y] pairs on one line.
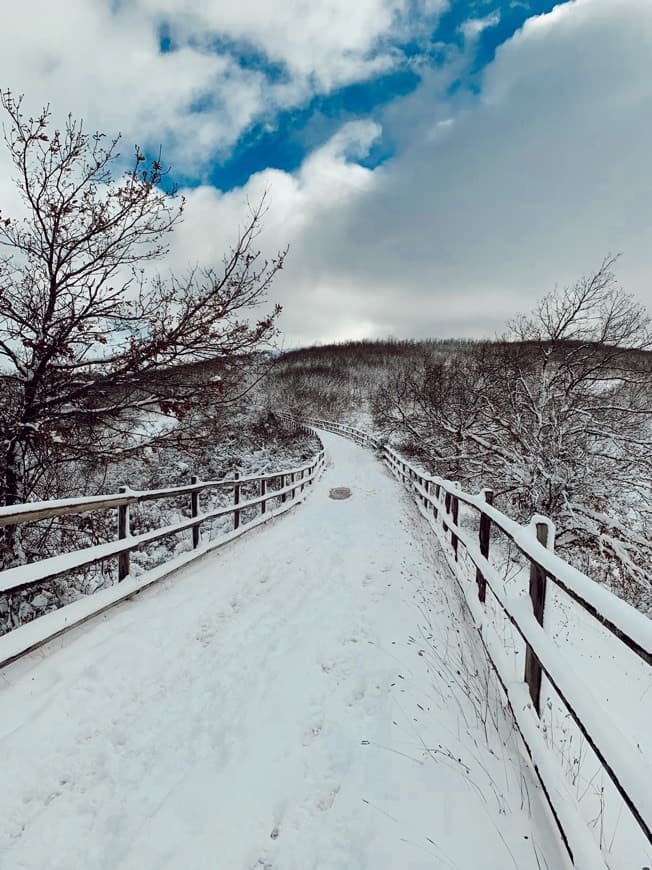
[[340, 492]]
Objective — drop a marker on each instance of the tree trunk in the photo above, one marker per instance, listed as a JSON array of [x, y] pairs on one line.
[[12, 494], [13, 483]]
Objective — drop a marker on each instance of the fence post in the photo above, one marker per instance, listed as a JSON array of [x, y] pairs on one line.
[[194, 511], [236, 500], [484, 535], [263, 492], [455, 512], [303, 482], [447, 508], [283, 494], [123, 532], [545, 536]]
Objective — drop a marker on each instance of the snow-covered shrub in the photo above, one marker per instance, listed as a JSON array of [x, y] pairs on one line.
[[556, 418]]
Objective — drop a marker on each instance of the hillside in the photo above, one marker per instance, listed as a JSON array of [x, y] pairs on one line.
[[561, 428]]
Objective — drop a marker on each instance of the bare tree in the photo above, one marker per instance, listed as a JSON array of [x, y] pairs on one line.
[[557, 417], [89, 344], [584, 403]]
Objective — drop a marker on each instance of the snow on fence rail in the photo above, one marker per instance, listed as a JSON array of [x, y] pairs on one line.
[[439, 500], [290, 484]]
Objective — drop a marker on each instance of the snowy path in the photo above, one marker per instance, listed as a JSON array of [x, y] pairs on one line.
[[308, 697]]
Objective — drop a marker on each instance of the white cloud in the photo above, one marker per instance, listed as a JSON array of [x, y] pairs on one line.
[[102, 61], [328, 181], [529, 187], [300, 206], [108, 69], [473, 27], [332, 43]]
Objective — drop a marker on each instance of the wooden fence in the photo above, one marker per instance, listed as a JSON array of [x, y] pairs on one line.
[[439, 500], [283, 487]]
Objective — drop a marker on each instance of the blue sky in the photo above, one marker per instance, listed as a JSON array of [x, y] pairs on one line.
[[282, 139]]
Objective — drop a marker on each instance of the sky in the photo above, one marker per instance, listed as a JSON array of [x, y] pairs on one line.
[[434, 165]]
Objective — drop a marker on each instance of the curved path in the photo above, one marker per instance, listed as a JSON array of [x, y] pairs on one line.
[[310, 696]]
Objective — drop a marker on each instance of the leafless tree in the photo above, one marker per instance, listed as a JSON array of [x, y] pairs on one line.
[[88, 343], [557, 417]]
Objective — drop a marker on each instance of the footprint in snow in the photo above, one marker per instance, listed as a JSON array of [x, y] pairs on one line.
[[312, 734], [356, 696], [204, 635], [326, 802]]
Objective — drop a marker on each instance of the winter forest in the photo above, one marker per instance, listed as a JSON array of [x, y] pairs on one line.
[[117, 372]]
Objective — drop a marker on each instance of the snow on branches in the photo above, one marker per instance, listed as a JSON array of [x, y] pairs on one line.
[[89, 344], [556, 417]]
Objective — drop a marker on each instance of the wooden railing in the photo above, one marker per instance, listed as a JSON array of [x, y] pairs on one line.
[[357, 435], [439, 500], [283, 487]]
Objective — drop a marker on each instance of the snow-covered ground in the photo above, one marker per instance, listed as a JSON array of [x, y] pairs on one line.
[[308, 697]]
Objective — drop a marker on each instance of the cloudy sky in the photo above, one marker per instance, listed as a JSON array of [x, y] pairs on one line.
[[435, 165]]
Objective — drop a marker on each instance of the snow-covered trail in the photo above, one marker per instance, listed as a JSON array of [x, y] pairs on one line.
[[307, 697]]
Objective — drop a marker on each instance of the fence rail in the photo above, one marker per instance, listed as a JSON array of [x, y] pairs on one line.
[[40, 510], [357, 435], [285, 487], [439, 500]]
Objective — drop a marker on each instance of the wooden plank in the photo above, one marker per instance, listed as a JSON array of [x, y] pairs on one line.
[[194, 511], [236, 500], [533, 671], [484, 535], [455, 511], [123, 533], [35, 511]]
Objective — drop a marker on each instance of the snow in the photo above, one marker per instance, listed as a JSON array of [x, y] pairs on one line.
[[586, 852], [632, 767], [308, 697], [606, 683]]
